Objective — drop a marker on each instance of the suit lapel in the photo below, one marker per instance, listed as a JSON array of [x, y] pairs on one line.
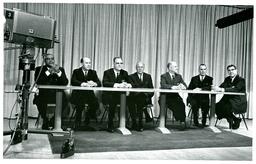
[[81, 74], [169, 79], [44, 68], [198, 78], [235, 80], [113, 74]]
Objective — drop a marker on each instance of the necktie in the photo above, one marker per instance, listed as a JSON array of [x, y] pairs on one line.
[[201, 78], [85, 73], [117, 75], [172, 76], [140, 77]]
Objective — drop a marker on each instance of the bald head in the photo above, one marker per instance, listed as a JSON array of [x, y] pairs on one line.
[[86, 63], [140, 67], [172, 67]]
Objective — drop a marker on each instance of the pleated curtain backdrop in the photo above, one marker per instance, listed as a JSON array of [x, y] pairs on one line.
[[154, 34]]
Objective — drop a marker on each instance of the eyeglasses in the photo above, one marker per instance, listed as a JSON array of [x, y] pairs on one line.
[[231, 69], [119, 63], [49, 58]]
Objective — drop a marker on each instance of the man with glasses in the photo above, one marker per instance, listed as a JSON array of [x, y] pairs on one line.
[[198, 83], [50, 74], [114, 77], [85, 77], [139, 100], [231, 104]]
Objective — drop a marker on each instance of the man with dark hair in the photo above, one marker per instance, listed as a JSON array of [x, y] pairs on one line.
[[198, 83], [139, 100], [85, 77], [51, 74], [231, 104], [115, 77], [173, 80]]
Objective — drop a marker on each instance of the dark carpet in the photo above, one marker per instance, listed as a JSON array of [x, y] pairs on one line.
[[102, 141]]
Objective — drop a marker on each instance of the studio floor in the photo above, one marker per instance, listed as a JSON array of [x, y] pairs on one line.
[[38, 147]]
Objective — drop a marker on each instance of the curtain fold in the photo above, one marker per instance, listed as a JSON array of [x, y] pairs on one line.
[[154, 34]]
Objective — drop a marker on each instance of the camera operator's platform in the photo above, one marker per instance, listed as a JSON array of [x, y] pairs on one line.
[[99, 144]]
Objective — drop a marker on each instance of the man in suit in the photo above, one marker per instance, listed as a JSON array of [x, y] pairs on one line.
[[231, 104], [49, 74], [85, 77], [198, 83], [115, 77], [173, 80], [139, 100]]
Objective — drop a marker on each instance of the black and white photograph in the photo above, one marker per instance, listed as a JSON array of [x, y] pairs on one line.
[[113, 80]]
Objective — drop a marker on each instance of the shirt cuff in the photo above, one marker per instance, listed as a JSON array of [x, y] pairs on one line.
[[59, 74], [47, 73]]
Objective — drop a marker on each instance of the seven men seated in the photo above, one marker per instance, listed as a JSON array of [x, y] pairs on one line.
[[117, 77]]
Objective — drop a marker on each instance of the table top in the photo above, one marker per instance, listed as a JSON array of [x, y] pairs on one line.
[[59, 87], [135, 90]]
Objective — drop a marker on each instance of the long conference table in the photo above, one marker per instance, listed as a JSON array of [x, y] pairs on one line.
[[122, 129]]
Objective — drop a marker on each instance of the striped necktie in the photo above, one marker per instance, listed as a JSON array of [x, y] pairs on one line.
[[140, 77]]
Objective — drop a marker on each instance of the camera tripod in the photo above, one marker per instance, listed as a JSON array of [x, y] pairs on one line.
[[20, 133]]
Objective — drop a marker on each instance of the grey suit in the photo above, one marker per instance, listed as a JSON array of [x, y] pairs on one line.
[[173, 100]]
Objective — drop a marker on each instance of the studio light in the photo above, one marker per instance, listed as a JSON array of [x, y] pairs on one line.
[[235, 18]]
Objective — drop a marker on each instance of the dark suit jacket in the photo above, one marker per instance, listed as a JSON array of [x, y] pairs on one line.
[[78, 77], [238, 102], [145, 83], [204, 85], [48, 95], [109, 79], [167, 83]]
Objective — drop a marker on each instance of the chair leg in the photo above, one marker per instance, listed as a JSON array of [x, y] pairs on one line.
[[151, 111], [158, 118], [128, 116], [37, 120], [190, 114], [165, 116], [244, 121], [216, 122], [103, 115], [72, 115]]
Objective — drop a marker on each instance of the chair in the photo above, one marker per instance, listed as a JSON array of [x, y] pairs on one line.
[[242, 114], [49, 113], [86, 107], [149, 107], [166, 113], [190, 114], [106, 110], [245, 98], [239, 115]]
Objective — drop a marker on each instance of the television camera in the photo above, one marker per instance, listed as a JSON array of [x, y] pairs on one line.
[[30, 31]]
